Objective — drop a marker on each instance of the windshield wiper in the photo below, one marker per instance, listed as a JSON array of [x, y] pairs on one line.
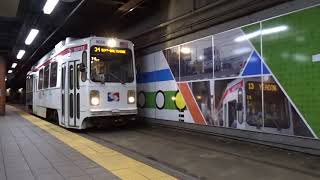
[[116, 77]]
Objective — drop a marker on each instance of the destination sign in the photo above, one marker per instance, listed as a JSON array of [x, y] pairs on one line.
[[253, 86], [107, 50]]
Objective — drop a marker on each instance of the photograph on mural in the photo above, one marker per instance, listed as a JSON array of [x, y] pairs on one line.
[[231, 52], [232, 102], [172, 57], [202, 95], [196, 60], [279, 114], [238, 104], [287, 104]]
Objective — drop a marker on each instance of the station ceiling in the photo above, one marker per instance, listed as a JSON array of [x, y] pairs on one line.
[[78, 19], [70, 18]]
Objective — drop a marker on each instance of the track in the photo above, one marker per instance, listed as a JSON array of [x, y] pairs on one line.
[[203, 151]]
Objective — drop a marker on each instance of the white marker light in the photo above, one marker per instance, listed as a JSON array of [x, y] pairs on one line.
[[10, 71], [49, 6], [32, 35], [20, 54], [261, 32], [14, 65], [112, 43]]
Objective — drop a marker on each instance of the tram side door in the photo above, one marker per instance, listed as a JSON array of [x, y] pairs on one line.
[[64, 100], [71, 93]]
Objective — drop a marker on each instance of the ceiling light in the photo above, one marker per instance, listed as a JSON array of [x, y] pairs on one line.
[[185, 50], [242, 50], [261, 32], [32, 35], [9, 71], [14, 65], [20, 54], [49, 6]]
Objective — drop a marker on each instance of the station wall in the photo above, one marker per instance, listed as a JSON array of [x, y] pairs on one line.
[[263, 77]]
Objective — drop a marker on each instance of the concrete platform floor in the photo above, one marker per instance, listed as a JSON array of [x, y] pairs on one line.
[[28, 153]]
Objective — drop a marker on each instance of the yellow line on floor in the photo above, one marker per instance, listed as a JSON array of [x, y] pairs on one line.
[[119, 164]]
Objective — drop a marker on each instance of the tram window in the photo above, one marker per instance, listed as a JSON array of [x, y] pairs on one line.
[[78, 106], [71, 105], [62, 100], [63, 76], [71, 77], [27, 84], [78, 75], [53, 74], [84, 61], [31, 83], [40, 79], [46, 77]]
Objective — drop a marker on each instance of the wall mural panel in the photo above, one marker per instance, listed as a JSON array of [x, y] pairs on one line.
[[262, 77]]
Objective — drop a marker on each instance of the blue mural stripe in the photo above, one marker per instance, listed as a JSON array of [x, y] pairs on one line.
[[154, 76], [254, 65], [265, 70]]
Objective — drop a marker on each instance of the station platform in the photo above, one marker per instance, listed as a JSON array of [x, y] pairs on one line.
[[32, 148]]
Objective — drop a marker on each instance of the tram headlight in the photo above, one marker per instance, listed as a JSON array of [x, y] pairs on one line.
[[131, 96], [94, 98]]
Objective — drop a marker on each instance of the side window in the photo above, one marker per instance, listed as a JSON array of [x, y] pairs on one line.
[[31, 83], [53, 74], [84, 61], [40, 79], [46, 77], [77, 76], [71, 77], [27, 84], [63, 76]]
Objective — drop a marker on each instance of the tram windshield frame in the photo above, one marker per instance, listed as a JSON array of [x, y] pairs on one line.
[[111, 65]]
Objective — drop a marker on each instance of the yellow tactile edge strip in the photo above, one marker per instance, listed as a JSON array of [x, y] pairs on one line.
[[118, 164]]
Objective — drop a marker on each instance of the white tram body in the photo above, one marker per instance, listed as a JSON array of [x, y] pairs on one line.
[[241, 107], [83, 82]]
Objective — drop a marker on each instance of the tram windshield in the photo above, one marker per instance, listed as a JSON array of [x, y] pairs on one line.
[[111, 64], [276, 109]]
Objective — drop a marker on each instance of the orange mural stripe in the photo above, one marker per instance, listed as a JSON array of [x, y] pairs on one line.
[[191, 103]]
